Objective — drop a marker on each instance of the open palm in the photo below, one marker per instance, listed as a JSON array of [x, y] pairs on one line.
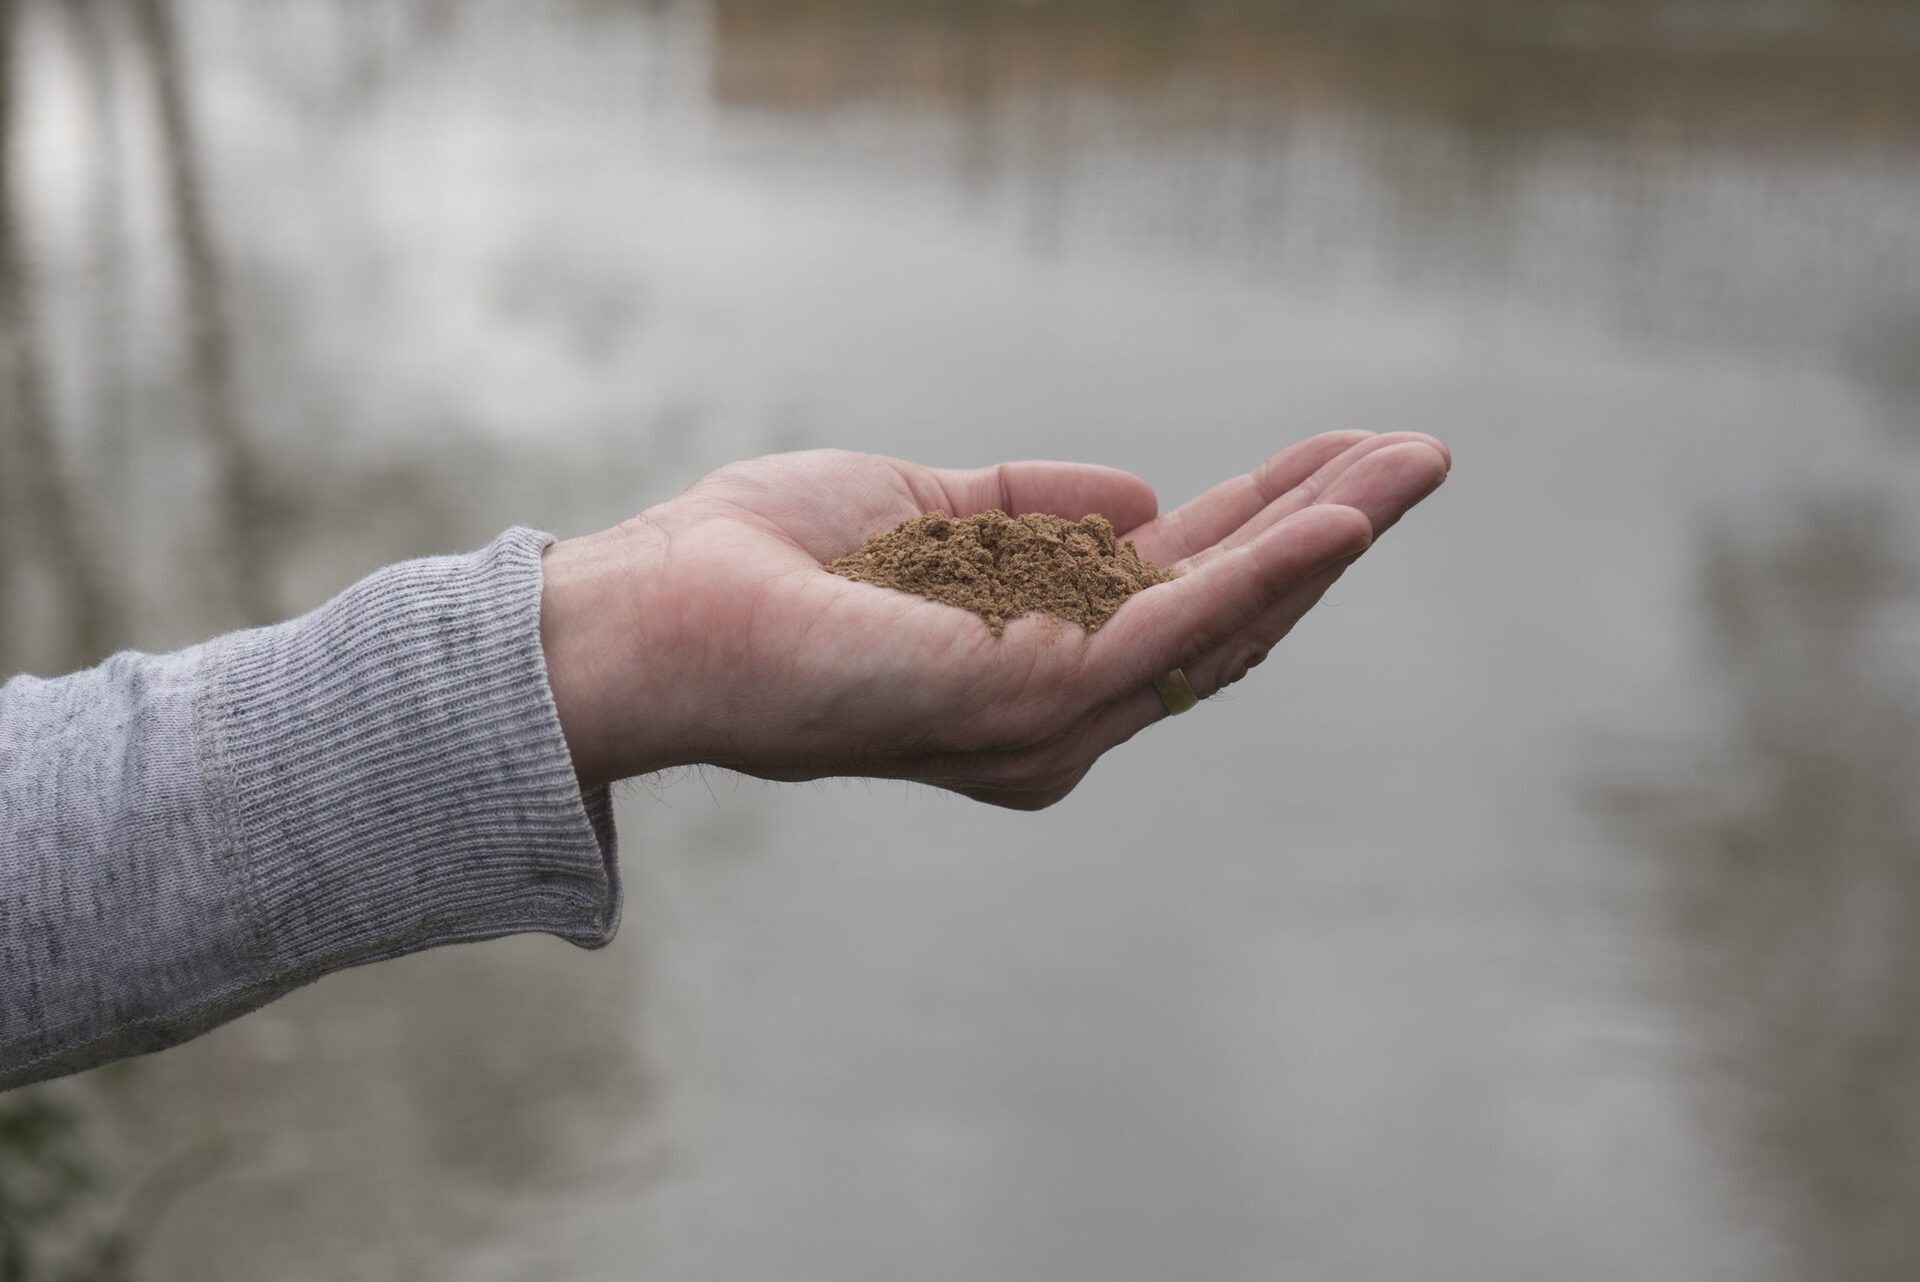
[[729, 644]]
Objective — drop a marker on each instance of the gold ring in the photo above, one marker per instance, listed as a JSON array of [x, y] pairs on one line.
[[1176, 693]]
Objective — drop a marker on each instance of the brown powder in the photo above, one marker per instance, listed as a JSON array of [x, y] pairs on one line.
[[1002, 567]]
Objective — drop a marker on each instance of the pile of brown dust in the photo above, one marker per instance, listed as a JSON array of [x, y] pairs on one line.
[[1001, 567]]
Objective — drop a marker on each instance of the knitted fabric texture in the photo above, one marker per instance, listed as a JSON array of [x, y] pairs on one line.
[[184, 837]]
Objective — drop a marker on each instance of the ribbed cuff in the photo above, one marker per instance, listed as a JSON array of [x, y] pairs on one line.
[[396, 775]]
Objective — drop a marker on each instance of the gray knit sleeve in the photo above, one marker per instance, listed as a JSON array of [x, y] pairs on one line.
[[185, 837]]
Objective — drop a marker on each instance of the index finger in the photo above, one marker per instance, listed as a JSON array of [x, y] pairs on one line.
[[1203, 521]]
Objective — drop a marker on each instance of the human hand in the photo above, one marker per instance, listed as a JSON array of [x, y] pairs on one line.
[[705, 630]]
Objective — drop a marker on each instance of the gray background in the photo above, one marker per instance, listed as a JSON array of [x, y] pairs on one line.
[[1547, 908]]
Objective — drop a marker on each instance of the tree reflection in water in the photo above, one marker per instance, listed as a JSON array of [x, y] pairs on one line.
[[40, 518], [1789, 868], [211, 361], [85, 1175], [1698, 198]]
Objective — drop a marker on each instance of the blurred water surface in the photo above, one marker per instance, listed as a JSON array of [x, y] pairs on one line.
[[1545, 910]]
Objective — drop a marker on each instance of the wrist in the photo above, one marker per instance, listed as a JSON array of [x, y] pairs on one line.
[[600, 662]]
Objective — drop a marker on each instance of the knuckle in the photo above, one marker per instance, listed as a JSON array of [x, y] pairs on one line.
[[1031, 794], [1240, 661], [1040, 767], [1045, 798], [1061, 791]]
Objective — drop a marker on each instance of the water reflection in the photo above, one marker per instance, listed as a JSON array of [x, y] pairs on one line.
[[1824, 71], [1886, 359], [1674, 175], [211, 374], [43, 516], [289, 293], [1790, 860]]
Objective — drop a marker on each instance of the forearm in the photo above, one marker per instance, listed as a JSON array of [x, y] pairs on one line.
[[185, 837]]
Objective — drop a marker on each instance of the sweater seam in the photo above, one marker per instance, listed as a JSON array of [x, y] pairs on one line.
[[223, 781]]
